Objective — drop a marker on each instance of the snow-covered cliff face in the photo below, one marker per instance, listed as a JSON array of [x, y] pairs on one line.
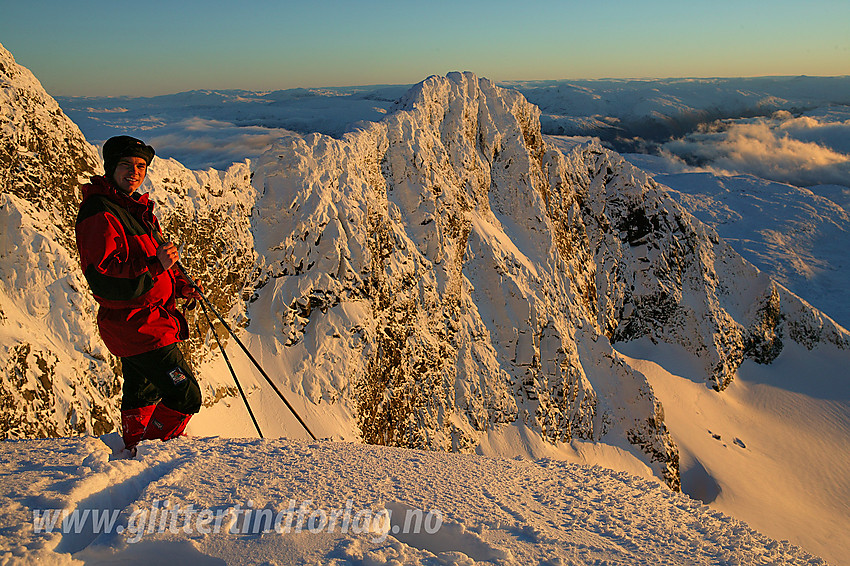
[[426, 271], [446, 271], [57, 377], [662, 274]]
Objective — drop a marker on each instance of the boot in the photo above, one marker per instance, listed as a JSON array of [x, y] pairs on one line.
[[133, 424], [165, 423]]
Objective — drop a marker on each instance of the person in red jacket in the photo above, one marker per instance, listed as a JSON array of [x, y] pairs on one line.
[[131, 277]]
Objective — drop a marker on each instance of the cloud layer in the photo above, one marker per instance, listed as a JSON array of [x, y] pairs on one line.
[[203, 129], [788, 129], [804, 150]]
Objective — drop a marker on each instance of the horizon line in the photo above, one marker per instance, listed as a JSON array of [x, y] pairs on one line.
[[511, 82]]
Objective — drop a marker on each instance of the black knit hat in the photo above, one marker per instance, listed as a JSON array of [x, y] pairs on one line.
[[124, 146]]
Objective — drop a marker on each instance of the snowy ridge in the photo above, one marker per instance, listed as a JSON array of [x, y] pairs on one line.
[[793, 233], [527, 513], [43, 154], [669, 276]]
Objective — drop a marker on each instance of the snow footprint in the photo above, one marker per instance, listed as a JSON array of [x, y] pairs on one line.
[[108, 487]]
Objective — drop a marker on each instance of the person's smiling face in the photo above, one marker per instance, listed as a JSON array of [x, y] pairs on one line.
[[130, 173]]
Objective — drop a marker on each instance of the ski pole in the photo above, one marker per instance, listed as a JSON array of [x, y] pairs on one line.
[[204, 299], [230, 367]]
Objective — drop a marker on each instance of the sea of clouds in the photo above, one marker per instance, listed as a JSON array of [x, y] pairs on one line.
[[787, 129], [204, 129]]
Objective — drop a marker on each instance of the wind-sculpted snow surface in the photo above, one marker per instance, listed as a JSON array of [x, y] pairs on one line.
[[446, 278], [216, 501]]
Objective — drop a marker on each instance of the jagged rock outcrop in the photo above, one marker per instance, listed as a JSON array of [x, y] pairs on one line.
[[43, 154], [432, 260], [661, 273], [665, 275]]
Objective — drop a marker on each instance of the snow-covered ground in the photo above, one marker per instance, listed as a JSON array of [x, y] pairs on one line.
[[757, 452], [215, 501]]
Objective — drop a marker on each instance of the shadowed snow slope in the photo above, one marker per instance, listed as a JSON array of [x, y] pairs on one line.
[[771, 449]]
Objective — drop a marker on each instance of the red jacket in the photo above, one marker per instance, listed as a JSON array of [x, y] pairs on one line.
[[138, 311]]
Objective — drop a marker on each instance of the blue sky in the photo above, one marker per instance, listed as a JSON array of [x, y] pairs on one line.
[[92, 47]]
